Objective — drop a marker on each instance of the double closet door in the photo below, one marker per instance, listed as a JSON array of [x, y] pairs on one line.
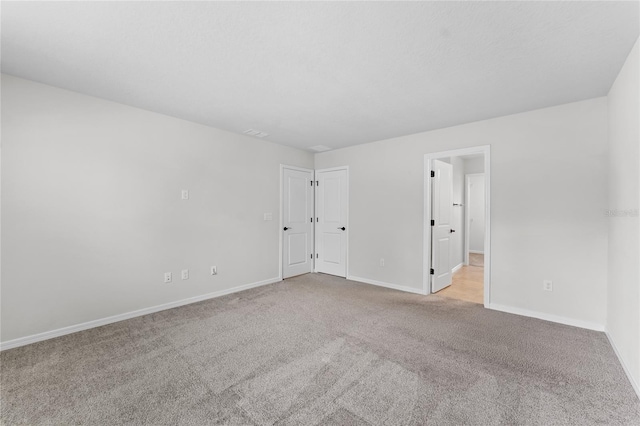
[[314, 217]]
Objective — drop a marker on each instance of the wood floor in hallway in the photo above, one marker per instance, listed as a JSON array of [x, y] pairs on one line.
[[467, 284]]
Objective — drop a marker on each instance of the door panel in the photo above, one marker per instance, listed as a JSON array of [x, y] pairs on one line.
[[332, 244], [297, 252], [297, 229], [331, 206], [442, 209], [444, 259], [331, 221], [297, 206]]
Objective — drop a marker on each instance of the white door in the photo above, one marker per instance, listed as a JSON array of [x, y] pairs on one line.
[[442, 226], [297, 217], [332, 232]]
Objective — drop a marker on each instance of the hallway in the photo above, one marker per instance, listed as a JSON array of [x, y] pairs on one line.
[[467, 283]]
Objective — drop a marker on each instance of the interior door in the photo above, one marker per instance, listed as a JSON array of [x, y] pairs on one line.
[[442, 227], [297, 221], [332, 232]]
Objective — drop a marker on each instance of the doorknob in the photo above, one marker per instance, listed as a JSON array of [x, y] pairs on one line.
[[452, 230], [343, 228], [285, 228]]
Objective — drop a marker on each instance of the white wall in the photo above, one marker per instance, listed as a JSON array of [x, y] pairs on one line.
[[92, 215], [474, 165], [548, 194], [623, 319], [457, 239], [477, 215]]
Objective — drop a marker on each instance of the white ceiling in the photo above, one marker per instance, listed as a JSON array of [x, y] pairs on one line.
[[333, 74]]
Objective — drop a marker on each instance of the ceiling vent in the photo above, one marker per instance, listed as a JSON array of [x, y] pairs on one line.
[[320, 148], [256, 133]]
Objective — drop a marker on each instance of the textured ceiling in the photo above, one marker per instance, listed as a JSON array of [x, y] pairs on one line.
[[334, 74]]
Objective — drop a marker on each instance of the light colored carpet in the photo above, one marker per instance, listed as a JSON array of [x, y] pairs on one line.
[[320, 350]]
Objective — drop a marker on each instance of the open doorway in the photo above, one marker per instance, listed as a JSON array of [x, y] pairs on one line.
[[457, 213]]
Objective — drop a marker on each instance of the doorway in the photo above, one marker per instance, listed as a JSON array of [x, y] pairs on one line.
[[457, 224]]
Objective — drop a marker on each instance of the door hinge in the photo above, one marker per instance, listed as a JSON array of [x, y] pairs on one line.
[[316, 219], [311, 182], [316, 255], [311, 255], [317, 183], [432, 271], [433, 173], [311, 219], [433, 222]]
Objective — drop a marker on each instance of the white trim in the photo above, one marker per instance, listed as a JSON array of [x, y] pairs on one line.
[[487, 225], [547, 317], [634, 384], [485, 150], [346, 259], [457, 268], [280, 236], [384, 284], [426, 227], [21, 341]]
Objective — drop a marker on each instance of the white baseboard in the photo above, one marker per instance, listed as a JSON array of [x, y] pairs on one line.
[[383, 284], [22, 341], [634, 384], [547, 317], [457, 268], [476, 251]]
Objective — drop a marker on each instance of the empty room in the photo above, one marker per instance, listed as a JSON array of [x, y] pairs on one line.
[[320, 213]]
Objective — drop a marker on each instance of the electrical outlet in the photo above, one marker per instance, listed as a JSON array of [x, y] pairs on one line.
[[185, 274], [167, 277], [214, 270], [547, 285], [185, 194], [382, 261]]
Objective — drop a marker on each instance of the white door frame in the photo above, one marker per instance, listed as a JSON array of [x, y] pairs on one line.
[[281, 220], [315, 204], [426, 223], [467, 222]]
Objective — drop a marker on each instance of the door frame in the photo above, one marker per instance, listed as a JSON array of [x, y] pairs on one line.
[[467, 222], [315, 204], [426, 223], [281, 219]]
